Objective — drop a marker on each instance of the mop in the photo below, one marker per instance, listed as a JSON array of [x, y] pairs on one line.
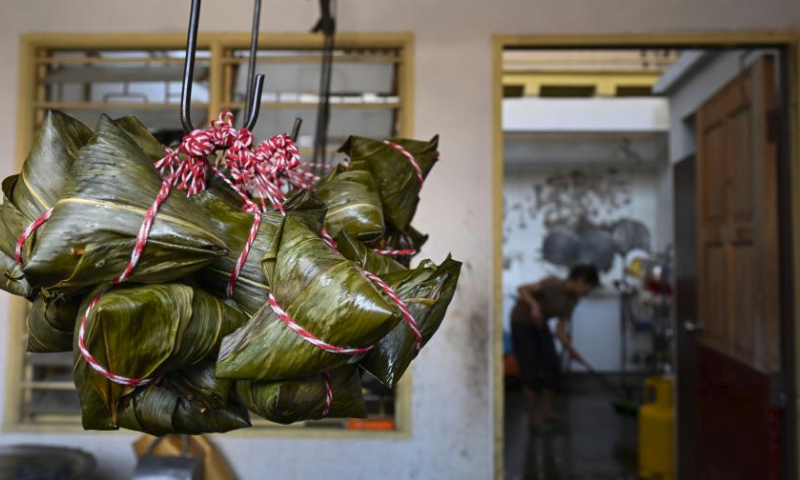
[[623, 404]]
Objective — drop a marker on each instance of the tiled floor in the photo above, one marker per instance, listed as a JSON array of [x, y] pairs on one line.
[[595, 443]]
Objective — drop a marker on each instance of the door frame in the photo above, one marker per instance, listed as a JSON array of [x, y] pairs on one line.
[[790, 42]]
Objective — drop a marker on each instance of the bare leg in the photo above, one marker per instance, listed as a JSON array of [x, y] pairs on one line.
[[548, 412], [534, 419]]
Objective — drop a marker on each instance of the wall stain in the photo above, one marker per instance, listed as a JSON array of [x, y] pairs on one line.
[[581, 214]]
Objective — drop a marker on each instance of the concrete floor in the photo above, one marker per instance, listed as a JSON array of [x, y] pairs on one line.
[[595, 443]]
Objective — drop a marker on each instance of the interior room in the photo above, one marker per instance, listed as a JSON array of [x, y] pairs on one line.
[[503, 240], [592, 139]]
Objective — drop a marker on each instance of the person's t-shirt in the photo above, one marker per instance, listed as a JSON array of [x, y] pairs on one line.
[[554, 300]]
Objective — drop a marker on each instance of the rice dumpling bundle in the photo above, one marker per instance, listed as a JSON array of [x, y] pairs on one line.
[[290, 401], [92, 230], [160, 411], [51, 324], [427, 291], [399, 167], [326, 314], [143, 332], [354, 205], [220, 308], [250, 288]]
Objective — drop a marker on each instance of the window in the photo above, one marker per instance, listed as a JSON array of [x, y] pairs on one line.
[[88, 75], [634, 91], [568, 91]]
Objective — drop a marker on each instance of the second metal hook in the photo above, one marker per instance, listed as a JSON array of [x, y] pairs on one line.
[[255, 82]]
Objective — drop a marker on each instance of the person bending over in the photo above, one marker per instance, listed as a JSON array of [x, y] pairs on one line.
[[533, 341]]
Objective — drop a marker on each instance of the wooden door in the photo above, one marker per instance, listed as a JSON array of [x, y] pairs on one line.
[[738, 351]]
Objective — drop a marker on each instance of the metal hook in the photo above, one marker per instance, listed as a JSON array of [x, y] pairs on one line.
[[296, 128], [255, 82]]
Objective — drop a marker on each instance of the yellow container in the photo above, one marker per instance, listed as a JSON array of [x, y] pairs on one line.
[[657, 430]]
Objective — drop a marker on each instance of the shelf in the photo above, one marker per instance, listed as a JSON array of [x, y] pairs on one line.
[[170, 73], [113, 106], [314, 106], [314, 59], [48, 385]]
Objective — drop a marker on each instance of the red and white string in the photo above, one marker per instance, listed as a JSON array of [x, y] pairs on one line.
[[310, 337], [410, 157], [326, 410], [28, 232]]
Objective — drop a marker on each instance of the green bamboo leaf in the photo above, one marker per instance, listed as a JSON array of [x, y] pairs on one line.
[[13, 280], [325, 294], [91, 233], [366, 257], [12, 221], [291, 401], [398, 184], [160, 411], [37, 188], [233, 226], [354, 205], [427, 291], [410, 239], [199, 385], [140, 134], [146, 331], [51, 323], [46, 170]]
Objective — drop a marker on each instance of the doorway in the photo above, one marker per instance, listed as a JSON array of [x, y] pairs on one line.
[[671, 343]]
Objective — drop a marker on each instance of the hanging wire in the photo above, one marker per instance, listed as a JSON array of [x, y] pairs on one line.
[[326, 25], [255, 82]]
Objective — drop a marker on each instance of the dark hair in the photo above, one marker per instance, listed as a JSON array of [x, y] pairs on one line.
[[586, 273]]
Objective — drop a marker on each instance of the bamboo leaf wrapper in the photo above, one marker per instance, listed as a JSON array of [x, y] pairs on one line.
[[144, 332], [325, 294], [91, 233]]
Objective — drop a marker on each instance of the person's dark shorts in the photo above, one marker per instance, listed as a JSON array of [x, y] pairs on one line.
[[536, 354]]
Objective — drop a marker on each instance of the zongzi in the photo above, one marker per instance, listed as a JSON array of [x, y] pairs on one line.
[[332, 314], [289, 401], [160, 411], [144, 332], [399, 167], [427, 291], [354, 205], [92, 230], [51, 324], [250, 289]]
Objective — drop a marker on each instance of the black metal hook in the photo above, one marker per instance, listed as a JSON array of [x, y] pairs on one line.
[[255, 83], [298, 122], [326, 25]]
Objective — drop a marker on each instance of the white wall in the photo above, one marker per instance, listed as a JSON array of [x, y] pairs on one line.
[[452, 392], [536, 114]]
